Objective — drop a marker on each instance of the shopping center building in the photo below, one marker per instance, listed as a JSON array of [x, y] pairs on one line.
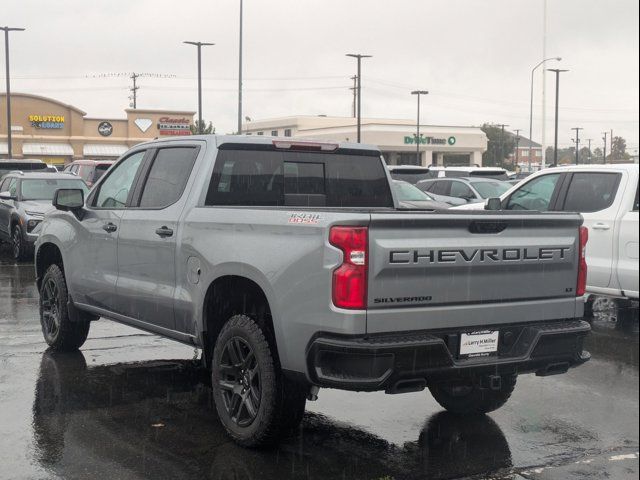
[[441, 145], [58, 133]]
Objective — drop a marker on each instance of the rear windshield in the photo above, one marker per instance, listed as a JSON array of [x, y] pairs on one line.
[[411, 176], [44, 189], [24, 166], [277, 178], [409, 193], [101, 168], [491, 189]]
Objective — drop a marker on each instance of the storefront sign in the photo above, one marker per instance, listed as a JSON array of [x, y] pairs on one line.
[[47, 121], [105, 129], [411, 140], [174, 126]]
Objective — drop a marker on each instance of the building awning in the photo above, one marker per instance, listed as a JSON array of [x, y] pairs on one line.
[[4, 148], [63, 149], [103, 150]]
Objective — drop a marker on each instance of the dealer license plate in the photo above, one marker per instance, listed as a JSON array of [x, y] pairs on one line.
[[479, 344]]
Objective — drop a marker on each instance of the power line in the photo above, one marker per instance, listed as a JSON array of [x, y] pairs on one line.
[[134, 85]]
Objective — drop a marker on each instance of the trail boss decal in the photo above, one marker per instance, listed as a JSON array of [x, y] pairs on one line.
[[304, 218]]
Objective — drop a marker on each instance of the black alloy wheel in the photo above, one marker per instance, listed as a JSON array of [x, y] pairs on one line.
[[17, 244], [50, 308], [240, 381]]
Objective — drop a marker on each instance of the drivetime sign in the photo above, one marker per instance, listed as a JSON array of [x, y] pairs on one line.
[[411, 140]]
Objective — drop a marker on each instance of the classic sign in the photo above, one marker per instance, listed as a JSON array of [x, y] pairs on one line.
[[174, 126]]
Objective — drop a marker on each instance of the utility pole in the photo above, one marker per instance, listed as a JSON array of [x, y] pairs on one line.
[[589, 142], [577, 142], [134, 77], [8, 78], [555, 139], [359, 57], [199, 45], [418, 93], [517, 130], [354, 89], [240, 73], [604, 154]]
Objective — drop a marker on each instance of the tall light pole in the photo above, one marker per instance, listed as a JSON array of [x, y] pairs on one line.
[[240, 74], [418, 93], [517, 130], [577, 141], [604, 153], [199, 45], [555, 139], [531, 102], [589, 142], [6, 57], [359, 57]]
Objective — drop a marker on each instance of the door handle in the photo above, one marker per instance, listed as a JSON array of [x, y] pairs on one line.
[[109, 227], [164, 231], [601, 226]]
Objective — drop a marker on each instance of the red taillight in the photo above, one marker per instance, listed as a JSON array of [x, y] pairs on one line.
[[349, 289], [582, 262]]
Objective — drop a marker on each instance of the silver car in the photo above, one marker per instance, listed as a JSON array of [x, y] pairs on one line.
[[24, 199], [459, 191]]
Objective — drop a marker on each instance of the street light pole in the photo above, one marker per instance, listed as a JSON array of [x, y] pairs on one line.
[[199, 45], [577, 140], [418, 93], [359, 57], [240, 74], [531, 103], [517, 130], [555, 139], [604, 153], [6, 57]]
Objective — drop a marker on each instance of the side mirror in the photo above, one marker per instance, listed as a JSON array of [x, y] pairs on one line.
[[6, 196], [493, 204], [68, 199]]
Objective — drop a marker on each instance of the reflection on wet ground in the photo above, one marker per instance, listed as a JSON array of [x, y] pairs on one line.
[[132, 406]]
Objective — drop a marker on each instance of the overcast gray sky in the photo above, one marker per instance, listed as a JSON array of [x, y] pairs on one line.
[[474, 56]]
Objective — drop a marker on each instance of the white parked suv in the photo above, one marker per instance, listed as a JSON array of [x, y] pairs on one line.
[[607, 198]]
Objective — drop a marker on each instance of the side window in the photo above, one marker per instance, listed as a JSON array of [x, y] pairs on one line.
[[74, 168], [167, 177], [442, 188], [460, 190], [4, 184], [114, 191], [13, 186], [534, 195], [243, 177], [635, 202], [591, 192]]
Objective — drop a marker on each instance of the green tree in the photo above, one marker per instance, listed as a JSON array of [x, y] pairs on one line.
[[500, 145], [618, 149], [206, 128], [597, 155]]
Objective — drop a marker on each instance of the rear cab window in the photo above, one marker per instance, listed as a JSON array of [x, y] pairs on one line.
[[591, 191], [272, 177]]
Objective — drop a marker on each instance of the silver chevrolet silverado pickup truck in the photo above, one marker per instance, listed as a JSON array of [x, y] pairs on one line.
[[288, 264]]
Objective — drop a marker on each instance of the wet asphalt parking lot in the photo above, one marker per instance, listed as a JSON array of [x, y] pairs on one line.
[[132, 405]]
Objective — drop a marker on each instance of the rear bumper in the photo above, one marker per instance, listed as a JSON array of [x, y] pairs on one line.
[[385, 361]]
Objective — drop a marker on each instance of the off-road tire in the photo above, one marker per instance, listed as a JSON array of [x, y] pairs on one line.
[[68, 335], [476, 400], [282, 402]]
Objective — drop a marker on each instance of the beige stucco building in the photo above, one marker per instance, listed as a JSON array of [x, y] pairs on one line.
[[58, 133], [396, 138]]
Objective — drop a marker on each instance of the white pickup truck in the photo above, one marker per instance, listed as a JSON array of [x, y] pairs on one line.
[[607, 198]]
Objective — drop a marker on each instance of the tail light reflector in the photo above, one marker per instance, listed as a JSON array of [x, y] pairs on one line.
[[582, 262], [349, 286]]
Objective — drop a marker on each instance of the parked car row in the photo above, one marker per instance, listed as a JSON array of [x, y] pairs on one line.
[[607, 198], [27, 188]]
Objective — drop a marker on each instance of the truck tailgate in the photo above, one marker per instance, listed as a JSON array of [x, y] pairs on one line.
[[441, 270]]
